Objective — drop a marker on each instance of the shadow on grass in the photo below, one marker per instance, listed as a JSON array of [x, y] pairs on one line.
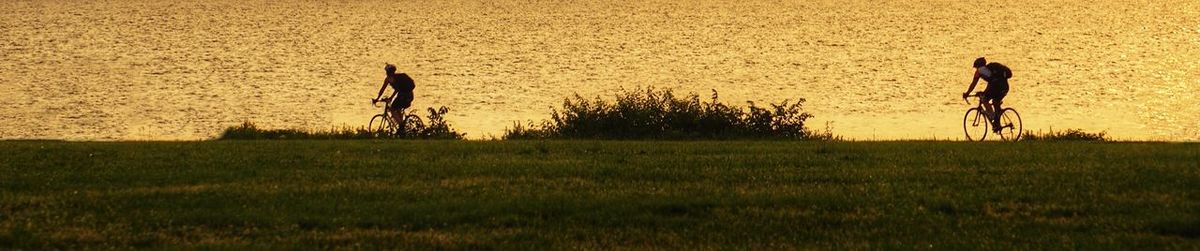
[[1186, 228]]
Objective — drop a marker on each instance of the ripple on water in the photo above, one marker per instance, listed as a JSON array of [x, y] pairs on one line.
[[146, 71]]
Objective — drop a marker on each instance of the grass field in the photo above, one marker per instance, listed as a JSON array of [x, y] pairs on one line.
[[599, 195]]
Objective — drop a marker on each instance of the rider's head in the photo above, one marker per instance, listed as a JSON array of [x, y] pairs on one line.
[[980, 62], [391, 69]]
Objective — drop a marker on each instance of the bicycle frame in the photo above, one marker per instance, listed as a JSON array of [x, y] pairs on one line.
[[1004, 122], [389, 115], [983, 109]]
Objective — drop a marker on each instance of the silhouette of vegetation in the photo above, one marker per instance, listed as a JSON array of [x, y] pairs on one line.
[[437, 128], [528, 131], [826, 134], [1068, 135], [660, 114], [248, 130]]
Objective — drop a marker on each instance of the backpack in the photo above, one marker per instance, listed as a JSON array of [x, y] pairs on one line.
[[999, 70], [403, 83]]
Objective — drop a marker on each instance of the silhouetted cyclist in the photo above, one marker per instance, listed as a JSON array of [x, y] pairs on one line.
[[997, 76], [403, 97]]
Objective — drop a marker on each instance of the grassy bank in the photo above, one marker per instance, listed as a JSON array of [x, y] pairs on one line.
[[434, 126], [599, 194]]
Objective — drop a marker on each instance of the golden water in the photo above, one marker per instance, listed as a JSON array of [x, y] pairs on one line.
[[151, 70]]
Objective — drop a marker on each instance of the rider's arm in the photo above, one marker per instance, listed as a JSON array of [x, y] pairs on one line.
[[974, 81], [381, 89]]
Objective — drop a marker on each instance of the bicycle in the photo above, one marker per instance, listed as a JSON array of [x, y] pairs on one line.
[[1010, 122], [384, 122]]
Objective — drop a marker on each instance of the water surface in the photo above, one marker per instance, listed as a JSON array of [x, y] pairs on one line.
[[165, 70]]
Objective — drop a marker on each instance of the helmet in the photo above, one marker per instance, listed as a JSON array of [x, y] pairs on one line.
[[980, 62], [389, 68]]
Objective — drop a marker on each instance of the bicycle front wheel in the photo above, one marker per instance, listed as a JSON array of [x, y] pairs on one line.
[[380, 124], [1010, 125], [975, 125]]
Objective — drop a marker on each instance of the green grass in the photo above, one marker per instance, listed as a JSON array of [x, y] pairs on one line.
[[399, 194]]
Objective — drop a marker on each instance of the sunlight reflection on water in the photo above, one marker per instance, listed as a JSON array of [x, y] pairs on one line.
[[162, 70]]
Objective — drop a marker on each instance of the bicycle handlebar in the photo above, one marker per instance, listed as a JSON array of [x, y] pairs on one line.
[[376, 102], [977, 94]]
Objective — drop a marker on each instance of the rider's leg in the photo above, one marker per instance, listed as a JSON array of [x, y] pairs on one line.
[[401, 104], [397, 115], [997, 94], [987, 106], [996, 115]]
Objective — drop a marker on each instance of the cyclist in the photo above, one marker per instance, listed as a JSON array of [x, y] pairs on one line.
[[997, 76], [403, 86]]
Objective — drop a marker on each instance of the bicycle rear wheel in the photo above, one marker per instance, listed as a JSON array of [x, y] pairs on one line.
[[1010, 125], [975, 125], [411, 125], [380, 124]]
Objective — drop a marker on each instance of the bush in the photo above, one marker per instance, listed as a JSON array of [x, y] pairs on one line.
[[654, 114], [1068, 135], [437, 128]]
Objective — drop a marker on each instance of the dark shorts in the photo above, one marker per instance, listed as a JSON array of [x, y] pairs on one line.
[[402, 102], [996, 91]]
